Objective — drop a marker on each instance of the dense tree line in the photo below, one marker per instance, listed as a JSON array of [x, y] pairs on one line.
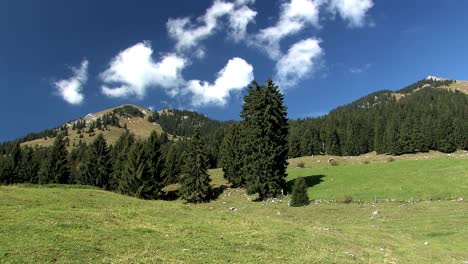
[[183, 123], [428, 119], [131, 166]]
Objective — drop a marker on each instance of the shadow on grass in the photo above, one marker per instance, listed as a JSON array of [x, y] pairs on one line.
[[311, 181], [172, 195]]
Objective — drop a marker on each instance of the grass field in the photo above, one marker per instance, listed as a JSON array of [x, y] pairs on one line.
[[72, 224]]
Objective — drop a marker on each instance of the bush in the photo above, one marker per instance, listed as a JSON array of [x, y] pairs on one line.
[[300, 164], [348, 199], [333, 162], [299, 193], [391, 159], [366, 162]]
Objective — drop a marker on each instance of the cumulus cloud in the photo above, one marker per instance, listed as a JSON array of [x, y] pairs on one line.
[[352, 11], [294, 17], [189, 34], [300, 61], [238, 22], [133, 71], [235, 76], [71, 89]]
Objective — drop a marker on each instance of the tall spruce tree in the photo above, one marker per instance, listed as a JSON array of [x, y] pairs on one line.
[[119, 156], [97, 166], [55, 167], [153, 183], [172, 163], [265, 126], [194, 179], [135, 177], [231, 155]]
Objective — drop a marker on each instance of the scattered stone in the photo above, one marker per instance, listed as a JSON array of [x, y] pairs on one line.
[[460, 199], [326, 229], [376, 212], [426, 243], [278, 213], [232, 209]]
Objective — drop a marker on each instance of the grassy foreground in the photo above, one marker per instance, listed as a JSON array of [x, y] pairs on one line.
[[72, 224]]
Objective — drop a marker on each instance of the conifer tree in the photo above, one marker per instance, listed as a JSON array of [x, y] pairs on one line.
[[119, 156], [172, 163], [231, 156], [135, 180], [153, 182], [299, 196], [55, 167], [194, 179], [97, 166], [265, 132], [28, 166]]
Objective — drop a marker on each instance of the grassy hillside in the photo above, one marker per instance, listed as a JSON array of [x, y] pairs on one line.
[[69, 224], [400, 180]]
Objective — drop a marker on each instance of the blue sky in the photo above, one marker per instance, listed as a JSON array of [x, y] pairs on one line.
[[60, 60]]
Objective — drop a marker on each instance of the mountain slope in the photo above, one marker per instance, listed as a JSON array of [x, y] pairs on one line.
[[137, 123]]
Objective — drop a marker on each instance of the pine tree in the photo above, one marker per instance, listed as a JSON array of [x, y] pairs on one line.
[[97, 166], [119, 156], [231, 156], [299, 193], [153, 182], [28, 166], [54, 168], [194, 179], [172, 163], [265, 132], [135, 172]]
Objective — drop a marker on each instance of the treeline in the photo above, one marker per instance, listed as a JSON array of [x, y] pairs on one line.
[[253, 156], [429, 119], [182, 123], [131, 166]]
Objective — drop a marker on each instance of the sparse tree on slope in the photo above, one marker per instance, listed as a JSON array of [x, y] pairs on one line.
[[194, 180], [299, 196]]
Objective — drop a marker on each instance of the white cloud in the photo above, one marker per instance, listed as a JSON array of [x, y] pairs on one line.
[[352, 11], [188, 35], [71, 89], [236, 75], [133, 71], [294, 17], [359, 70], [300, 61], [239, 20]]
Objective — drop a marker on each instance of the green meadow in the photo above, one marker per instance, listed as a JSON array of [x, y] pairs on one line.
[[73, 224]]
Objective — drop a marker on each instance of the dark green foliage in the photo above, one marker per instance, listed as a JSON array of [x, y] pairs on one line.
[[173, 162], [183, 123], [28, 166], [231, 155], [154, 182], [55, 168], [96, 168], [299, 196], [265, 130], [426, 119], [194, 179], [119, 156], [135, 180], [128, 111]]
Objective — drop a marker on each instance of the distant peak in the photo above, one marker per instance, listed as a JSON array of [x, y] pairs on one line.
[[435, 78]]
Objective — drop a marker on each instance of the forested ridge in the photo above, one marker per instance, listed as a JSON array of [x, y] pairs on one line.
[[417, 118]]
